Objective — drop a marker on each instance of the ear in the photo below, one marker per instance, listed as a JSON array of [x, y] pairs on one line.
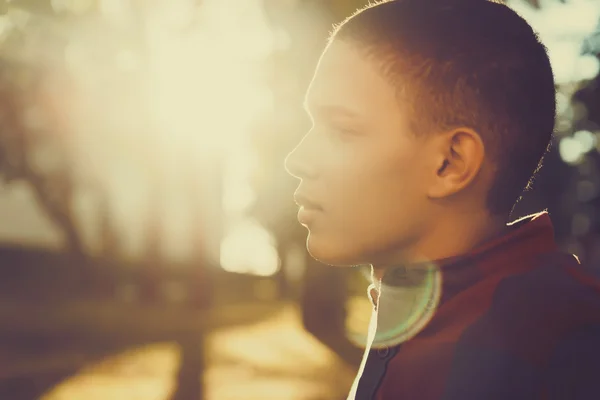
[[458, 161]]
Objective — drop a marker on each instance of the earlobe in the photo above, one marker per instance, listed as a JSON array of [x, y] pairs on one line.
[[441, 188]]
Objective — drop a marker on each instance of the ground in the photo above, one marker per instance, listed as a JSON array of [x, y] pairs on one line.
[[269, 358]]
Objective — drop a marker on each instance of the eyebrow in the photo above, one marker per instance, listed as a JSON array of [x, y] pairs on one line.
[[330, 110]]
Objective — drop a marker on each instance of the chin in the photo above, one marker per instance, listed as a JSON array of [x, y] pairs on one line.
[[330, 254]]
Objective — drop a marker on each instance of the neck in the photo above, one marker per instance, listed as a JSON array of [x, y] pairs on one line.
[[451, 236]]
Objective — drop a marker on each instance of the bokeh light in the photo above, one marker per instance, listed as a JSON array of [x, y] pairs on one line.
[[249, 248]]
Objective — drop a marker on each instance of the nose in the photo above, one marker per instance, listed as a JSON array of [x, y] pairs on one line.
[[299, 162]]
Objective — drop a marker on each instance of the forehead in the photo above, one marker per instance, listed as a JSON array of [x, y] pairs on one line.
[[344, 76]]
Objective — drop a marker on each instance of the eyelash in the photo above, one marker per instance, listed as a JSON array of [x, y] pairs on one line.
[[349, 132], [344, 132]]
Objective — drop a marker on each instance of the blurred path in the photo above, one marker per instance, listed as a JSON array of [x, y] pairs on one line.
[[274, 359], [269, 359]]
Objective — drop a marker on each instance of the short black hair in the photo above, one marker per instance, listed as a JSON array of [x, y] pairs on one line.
[[467, 63]]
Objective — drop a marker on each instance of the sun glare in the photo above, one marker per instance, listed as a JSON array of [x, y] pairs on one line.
[[173, 105]]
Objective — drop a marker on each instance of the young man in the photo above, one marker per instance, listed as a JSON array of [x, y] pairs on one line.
[[430, 118]]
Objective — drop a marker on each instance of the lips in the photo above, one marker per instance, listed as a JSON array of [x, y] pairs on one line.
[[306, 202]]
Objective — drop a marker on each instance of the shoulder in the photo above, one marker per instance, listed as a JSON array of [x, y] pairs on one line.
[[540, 332], [556, 284], [574, 359], [572, 369], [532, 312]]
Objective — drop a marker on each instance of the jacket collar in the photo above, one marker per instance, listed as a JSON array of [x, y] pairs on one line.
[[529, 237], [408, 297]]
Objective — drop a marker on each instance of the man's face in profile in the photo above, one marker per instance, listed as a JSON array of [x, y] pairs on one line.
[[363, 174]]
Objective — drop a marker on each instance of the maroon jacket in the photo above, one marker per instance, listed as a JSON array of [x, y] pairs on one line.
[[517, 319]]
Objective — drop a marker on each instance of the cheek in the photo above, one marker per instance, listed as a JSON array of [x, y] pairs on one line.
[[377, 187], [373, 205]]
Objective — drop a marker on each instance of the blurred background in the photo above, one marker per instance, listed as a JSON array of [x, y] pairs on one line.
[[149, 247]]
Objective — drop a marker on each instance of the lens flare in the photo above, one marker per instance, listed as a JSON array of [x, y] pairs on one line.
[[407, 301]]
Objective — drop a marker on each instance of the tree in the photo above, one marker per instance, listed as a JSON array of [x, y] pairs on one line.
[[29, 149], [36, 93]]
